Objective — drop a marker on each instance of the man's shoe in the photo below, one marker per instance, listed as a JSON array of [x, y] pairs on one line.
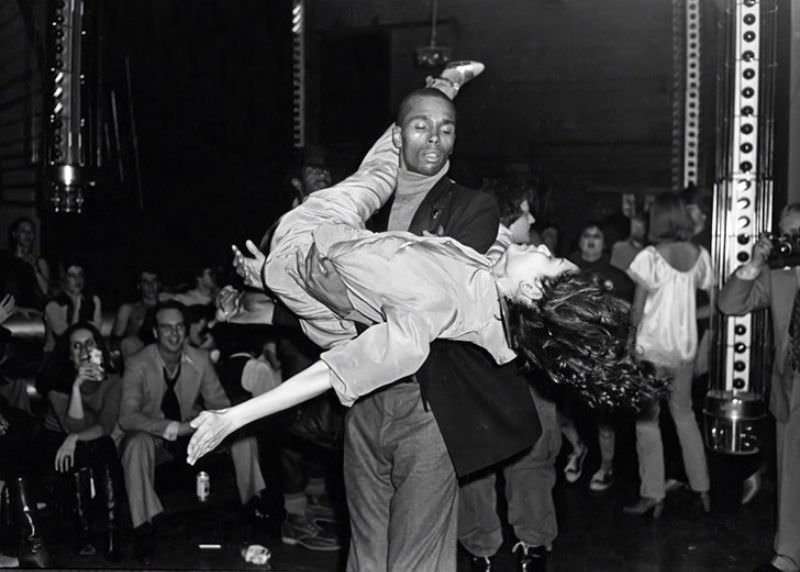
[[8, 561], [574, 467], [531, 558], [320, 510], [750, 487], [767, 567], [601, 480], [455, 75], [144, 543], [308, 534], [481, 563]]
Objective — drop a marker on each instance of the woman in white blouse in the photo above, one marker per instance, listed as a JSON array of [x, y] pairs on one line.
[[667, 276]]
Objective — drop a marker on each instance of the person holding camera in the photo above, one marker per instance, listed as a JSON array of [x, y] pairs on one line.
[[754, 285], [76, 441]]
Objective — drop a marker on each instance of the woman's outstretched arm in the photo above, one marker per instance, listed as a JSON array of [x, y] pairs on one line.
[[213, 426]]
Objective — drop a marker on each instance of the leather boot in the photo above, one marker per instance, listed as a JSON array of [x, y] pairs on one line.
[[111, 549], [32, 550], [84, 546]]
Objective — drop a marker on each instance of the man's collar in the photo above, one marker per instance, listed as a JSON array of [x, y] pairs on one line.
[[185, 358]]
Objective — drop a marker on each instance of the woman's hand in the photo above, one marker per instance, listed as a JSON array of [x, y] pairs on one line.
[[249, 268], [65, 456], [211, 428], [89, 371], [4, 425]]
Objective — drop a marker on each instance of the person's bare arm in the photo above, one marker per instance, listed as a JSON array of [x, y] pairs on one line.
[[213, 426]]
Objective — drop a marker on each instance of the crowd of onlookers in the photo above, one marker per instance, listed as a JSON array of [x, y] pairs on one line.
[[117, 388]]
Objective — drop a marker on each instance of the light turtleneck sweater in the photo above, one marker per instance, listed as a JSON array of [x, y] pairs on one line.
[[411, 190]]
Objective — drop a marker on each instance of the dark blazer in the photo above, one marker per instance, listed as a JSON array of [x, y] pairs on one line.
[[484, 411]]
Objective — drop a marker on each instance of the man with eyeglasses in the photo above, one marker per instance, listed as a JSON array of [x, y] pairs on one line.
[[164, 387]]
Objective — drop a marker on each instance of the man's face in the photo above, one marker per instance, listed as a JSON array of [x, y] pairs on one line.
[[74, 280], [521, 227], [427, 135], [24, 235], [790, 224], [150, 285], [315, 178], [550, 238], [209, 278], [170, 330]]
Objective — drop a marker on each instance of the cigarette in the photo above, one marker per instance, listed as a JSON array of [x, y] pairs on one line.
[[209, 546]]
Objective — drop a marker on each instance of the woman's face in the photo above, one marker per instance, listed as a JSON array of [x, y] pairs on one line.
[[81, 344], [521, 227], [74, 280], [591, 243], [521, 268]]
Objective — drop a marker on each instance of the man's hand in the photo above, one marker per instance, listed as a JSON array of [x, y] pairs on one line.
[[249, 268], [65, 455], [211, 427], [7, 307], [185, 428], [228, 303], [761, 251]]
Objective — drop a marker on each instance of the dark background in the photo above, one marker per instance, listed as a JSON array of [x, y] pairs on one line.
[[576, 94]]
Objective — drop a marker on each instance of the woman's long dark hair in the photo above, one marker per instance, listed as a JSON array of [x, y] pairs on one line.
[[60, 372], [577, 333]]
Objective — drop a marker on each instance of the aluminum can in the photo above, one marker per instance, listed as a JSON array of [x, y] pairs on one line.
[[203, 486]]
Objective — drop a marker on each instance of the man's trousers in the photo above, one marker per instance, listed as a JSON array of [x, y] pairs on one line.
[[142, 452]]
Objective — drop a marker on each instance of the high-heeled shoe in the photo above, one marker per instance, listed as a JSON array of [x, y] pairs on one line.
[[455, 75], [705, 501], [643, 506]]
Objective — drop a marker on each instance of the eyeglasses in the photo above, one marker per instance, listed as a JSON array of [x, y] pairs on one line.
[[179, 328]]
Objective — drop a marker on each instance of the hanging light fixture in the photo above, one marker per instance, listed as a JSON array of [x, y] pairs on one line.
[[433, 56]]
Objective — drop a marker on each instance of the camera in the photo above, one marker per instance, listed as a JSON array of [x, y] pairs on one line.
[[785, 250]]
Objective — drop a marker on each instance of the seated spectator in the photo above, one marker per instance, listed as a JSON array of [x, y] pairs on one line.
[[25, 275], [71, 305], [16, 451], [77, 439], [198, 334], [164, 387], [131, 315], [205, 291]]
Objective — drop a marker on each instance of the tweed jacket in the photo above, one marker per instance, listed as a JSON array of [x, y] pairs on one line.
[[143, 387]]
